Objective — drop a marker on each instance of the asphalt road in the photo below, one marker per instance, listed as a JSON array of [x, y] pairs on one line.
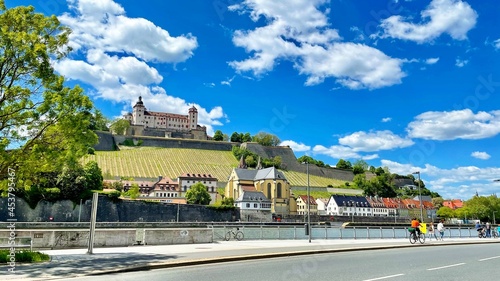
[[451, 262]]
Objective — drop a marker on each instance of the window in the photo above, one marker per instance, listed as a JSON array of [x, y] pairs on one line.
[[279, 190], [255, 205], [268, 190], [248, 205]]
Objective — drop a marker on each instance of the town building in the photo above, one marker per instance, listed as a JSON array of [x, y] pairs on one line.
[[187, 180], [254, 206], [167, 190], [269, 181], [302, 205], [342, 205]]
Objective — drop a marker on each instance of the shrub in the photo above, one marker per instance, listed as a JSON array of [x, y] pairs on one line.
[[24, 256]]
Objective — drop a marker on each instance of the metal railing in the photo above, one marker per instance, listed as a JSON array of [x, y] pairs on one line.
[[264, 232]]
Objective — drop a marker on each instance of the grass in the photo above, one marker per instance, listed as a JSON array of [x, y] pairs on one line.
[[151, 162], [23, 256]]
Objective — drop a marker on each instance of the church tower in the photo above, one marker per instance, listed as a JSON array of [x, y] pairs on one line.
[[138, 113], [193, 118]]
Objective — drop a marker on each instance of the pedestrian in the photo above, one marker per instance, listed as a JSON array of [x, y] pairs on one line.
[[432, 231], [488, 229], [478, 225], [440, 228]]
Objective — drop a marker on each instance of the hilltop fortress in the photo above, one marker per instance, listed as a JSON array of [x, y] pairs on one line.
[[162, 124]]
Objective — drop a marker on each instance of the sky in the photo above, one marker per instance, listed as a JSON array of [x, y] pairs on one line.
[[404, 84]]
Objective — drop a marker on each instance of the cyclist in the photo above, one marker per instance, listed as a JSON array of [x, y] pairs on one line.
[[415, 224]]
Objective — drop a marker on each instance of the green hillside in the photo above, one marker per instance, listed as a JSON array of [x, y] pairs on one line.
[[151, 162]]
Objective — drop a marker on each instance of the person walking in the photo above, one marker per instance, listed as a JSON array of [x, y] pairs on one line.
[[488, 229], [432, 231], [440, 228]]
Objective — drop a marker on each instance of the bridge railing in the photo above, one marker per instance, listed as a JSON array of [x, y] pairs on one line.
[[264, 232]]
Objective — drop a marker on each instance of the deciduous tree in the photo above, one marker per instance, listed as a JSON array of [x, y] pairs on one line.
[[198, 194], [44, 125]]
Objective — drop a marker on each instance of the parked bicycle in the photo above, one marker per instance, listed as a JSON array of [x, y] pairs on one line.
[[414, 237], [238, 235], [494, 233]]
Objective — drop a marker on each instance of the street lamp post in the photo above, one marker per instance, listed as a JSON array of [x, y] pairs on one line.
[[308, 204], [420, 197]]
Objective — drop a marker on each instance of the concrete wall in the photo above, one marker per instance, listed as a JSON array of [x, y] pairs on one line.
[[106, 141], [256, 216], [178, 143], [78, 238], [121, 211], [290, 161]]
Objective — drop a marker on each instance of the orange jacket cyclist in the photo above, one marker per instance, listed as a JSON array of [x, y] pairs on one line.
[[416, 225]]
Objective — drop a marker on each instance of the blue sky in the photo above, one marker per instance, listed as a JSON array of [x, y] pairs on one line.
[[408, 85]]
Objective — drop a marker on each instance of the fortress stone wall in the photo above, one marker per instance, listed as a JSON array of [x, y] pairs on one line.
[[290, 161]]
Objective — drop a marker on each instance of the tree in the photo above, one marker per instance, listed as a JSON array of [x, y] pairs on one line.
[[98, 122], [93, 175], [445, 212], [343, 164], [72, 182], [133, 192], [245, 137], [437, 202], [120, 126], [361, 164], [306, 159], [266, 139], [235, 137], [44, 125], [218, 136], [198, 194]]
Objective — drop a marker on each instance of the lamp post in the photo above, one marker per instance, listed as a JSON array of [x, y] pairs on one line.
[[420, 197], [308, 204], [494, 222]]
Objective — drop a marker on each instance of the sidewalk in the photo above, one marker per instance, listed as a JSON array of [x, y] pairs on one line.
[[75, 262]]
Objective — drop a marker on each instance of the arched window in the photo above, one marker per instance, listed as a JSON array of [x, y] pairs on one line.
[[268, 190], [279, 190]]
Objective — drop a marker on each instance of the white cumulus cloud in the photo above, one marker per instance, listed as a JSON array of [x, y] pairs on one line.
[[296, 147], [458, 124], [480, 155], [374, 141], [453, 17], [299, 31]]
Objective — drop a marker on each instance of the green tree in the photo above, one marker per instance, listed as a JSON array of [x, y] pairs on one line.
[[227, 202], [120, 126], [437, 202], [98, 122], [246, 137], [266, 139], [445, 212], [198, 194], [306, 159], [43, 124], [218, 136], [343, 164], [133, 191], [235, 137], [93, 175], [251, 162], [72, 182]]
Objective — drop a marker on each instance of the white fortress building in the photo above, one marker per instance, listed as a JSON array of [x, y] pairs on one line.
[[142, 119]]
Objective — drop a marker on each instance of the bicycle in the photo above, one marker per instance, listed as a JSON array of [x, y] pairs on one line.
[[414, 238], [238, 235], [494, 233], [481, 233]]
